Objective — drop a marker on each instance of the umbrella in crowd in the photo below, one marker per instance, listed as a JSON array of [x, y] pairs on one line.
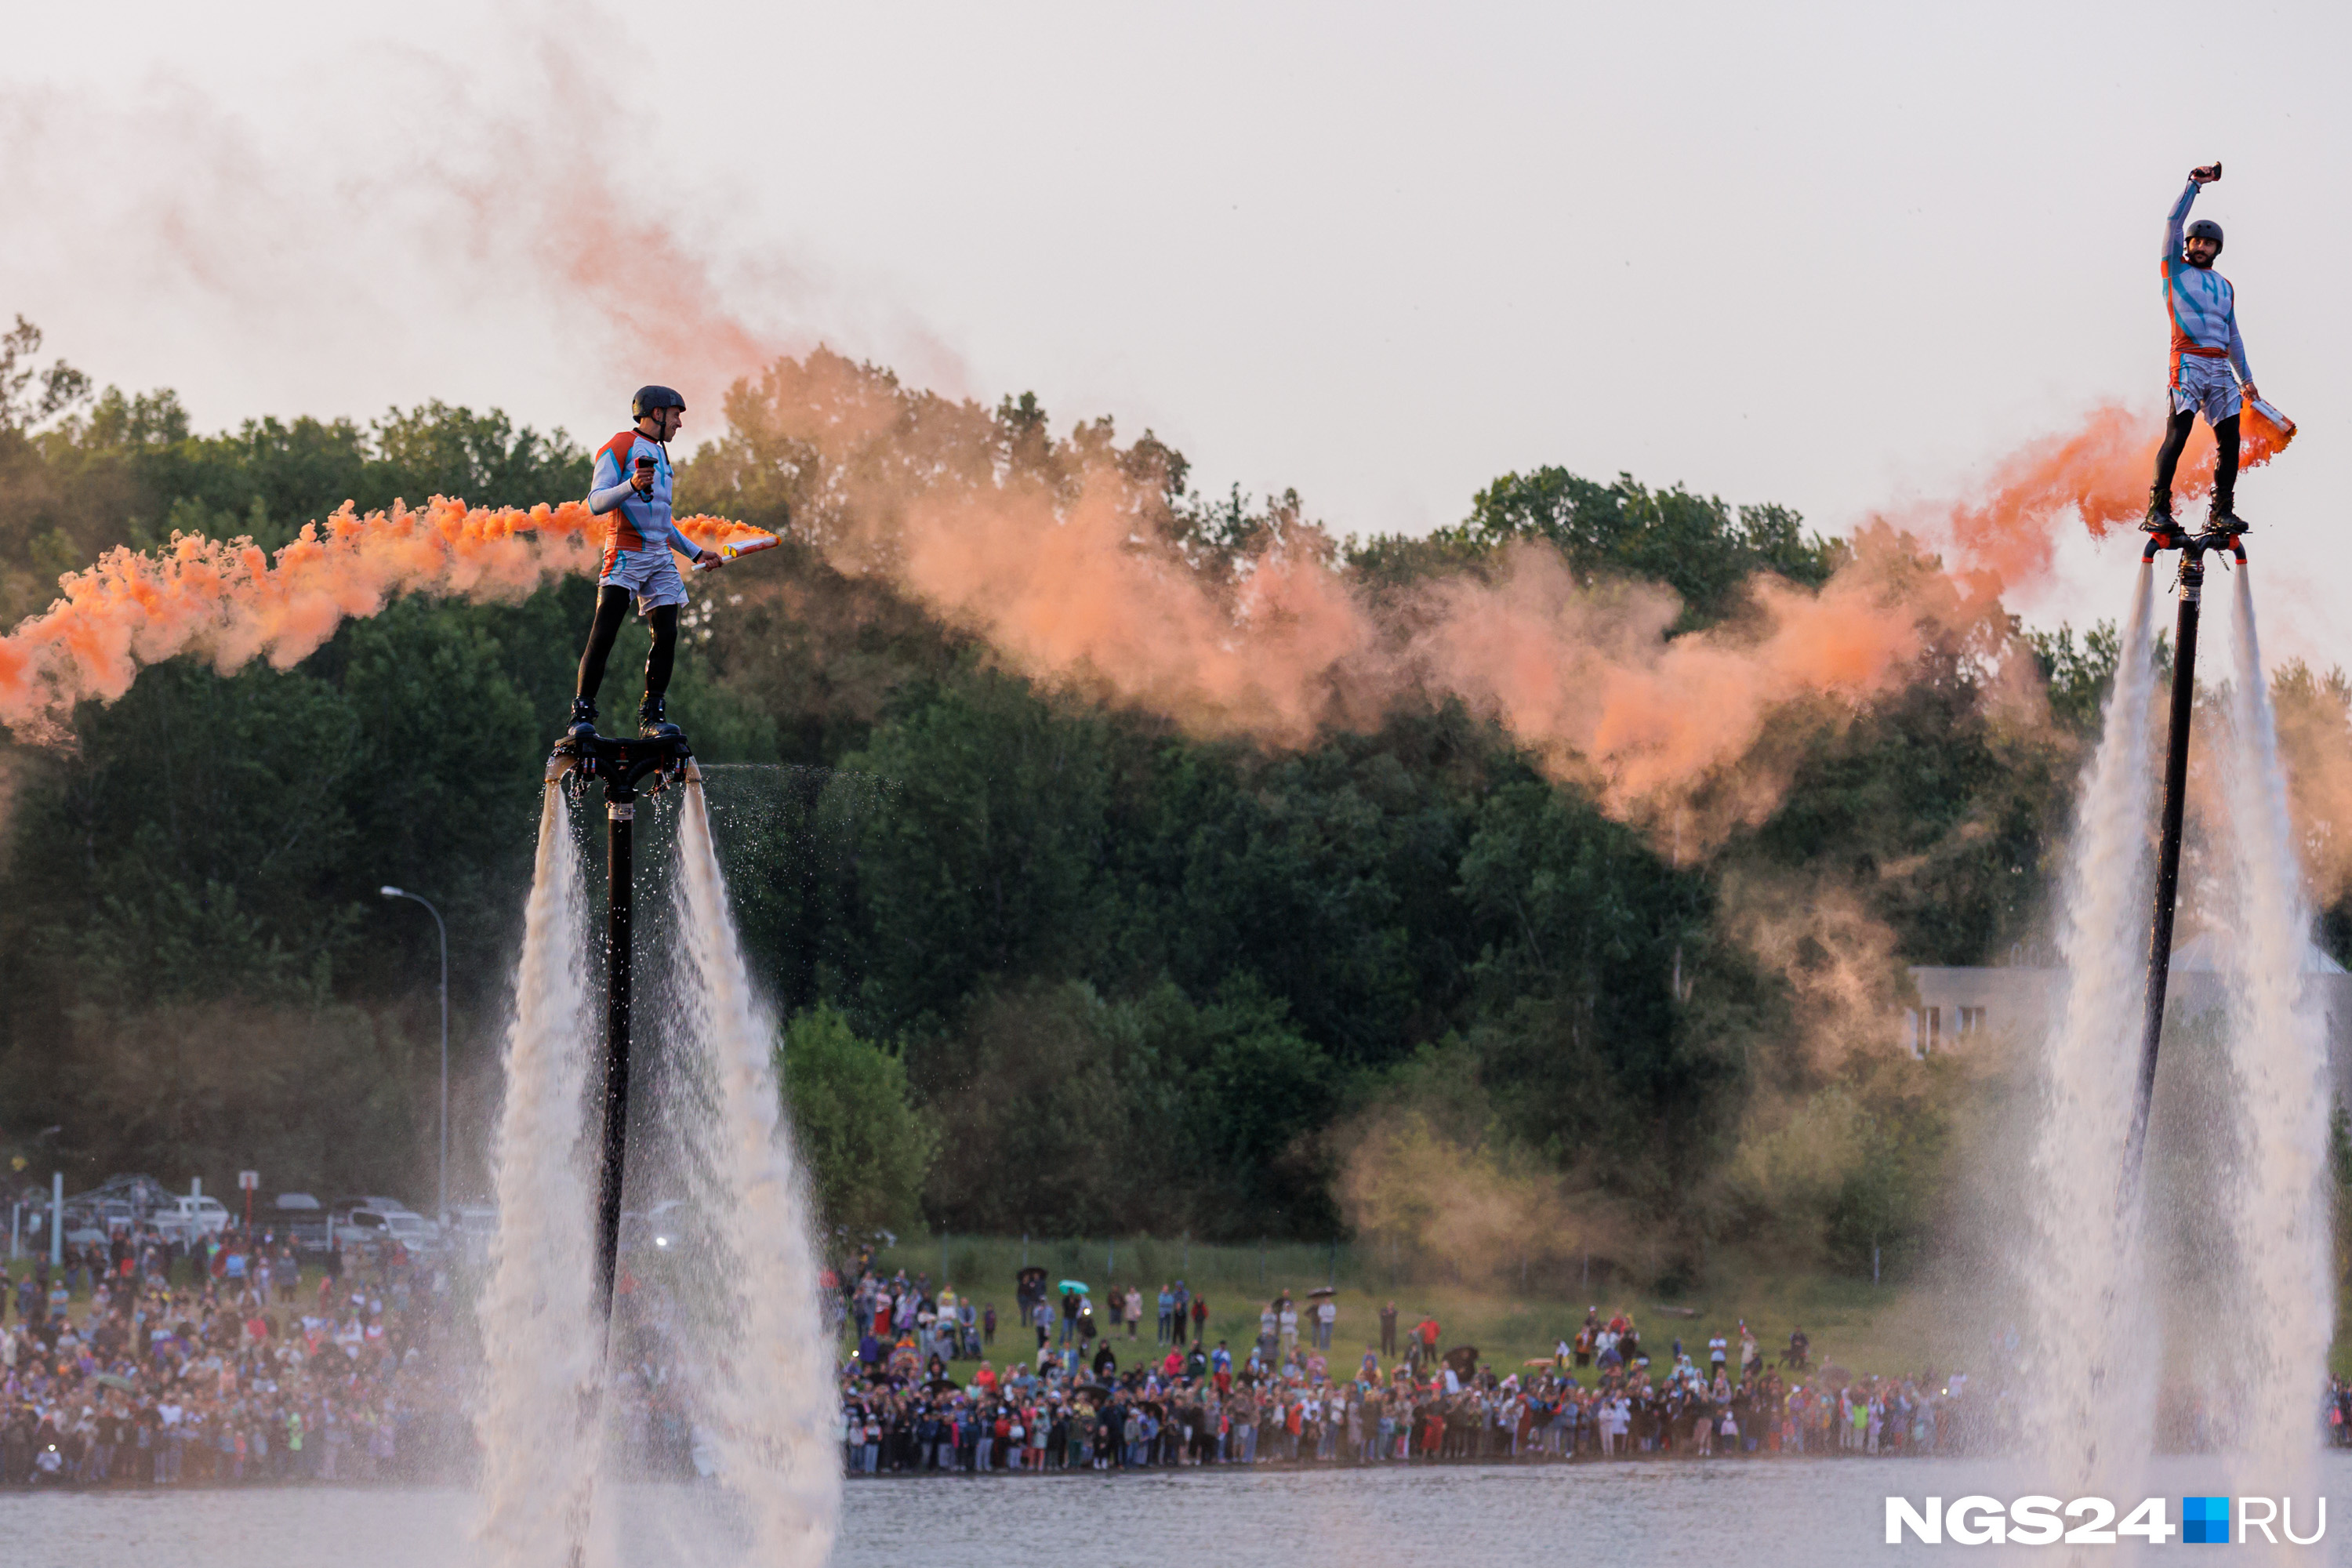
[[1078, 1286], [1321, 1291]]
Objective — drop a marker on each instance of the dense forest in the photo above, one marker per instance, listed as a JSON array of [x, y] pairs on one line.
[[1049, 963]]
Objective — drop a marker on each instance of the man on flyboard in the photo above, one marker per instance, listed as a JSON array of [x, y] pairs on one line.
[[631, 486], [2206, 347]]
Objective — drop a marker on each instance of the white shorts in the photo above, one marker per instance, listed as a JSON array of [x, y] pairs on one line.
[[2206, 386], [650, 574]]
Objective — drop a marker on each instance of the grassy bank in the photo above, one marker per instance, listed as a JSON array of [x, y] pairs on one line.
[[1857, 1325]]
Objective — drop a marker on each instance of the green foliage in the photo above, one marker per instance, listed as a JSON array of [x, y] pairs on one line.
[[1068, 1113], [1943, 813], [2079, 679], [866, 1146], [2315, 727], [986, 865], [1703, 549], [2339, 1167], [1852, 1172], [61, 386], [1132, 980]]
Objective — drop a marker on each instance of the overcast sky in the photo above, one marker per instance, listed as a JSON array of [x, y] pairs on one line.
[[1838, 256]]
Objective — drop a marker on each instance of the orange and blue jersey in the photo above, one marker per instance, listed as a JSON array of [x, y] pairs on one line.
[[2203, 306], [638, 521]]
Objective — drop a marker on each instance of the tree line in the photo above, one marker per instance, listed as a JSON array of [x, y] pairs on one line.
[[1045, 965]]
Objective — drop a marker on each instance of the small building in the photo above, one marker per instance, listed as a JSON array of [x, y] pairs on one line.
[[1956, 1005]]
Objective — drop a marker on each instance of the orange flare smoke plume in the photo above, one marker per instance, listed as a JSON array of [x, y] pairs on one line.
[[1059, 561], [2102, 472], [229, 601], [1592, 682]]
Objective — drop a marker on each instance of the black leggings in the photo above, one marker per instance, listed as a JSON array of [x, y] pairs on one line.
[[2225, 463], [612, 607]]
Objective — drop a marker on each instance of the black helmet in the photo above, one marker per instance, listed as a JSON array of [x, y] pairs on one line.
[[649, 398], [2204, 229]]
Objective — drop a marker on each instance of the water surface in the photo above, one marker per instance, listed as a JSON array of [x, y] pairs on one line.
[[1713, 1514]]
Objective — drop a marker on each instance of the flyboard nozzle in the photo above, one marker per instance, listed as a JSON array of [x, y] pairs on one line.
[[652, 762], [626, 764], [2191, 582]]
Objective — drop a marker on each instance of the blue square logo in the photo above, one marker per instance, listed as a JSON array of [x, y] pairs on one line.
[[2205, 1521]]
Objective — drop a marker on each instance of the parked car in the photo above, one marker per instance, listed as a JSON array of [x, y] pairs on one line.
[[110, 1216], [359, 1232], [471, 1219], [302, 1219], [468, 1228], [416, 1233], [188, 1218], [365, 1231]]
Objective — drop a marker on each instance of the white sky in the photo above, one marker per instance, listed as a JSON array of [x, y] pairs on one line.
[[1833, 256]]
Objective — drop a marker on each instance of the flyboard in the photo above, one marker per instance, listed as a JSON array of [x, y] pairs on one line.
[[2265, 434], [628, 768], [2190, 584]]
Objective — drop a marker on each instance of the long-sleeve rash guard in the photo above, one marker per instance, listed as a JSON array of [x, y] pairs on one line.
[[639, 522], [2204, 307]]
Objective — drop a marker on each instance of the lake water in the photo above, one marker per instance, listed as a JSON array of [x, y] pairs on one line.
[[1714, 1514]]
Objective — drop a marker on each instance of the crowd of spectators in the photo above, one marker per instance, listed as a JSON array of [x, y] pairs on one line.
[[149, 1363], [1086, 1395], [213, 1363]]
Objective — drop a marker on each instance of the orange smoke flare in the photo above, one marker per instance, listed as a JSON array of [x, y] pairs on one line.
[[1592, 683], [2102, 472], [229, 601], [2265, 432], [1069, 599]]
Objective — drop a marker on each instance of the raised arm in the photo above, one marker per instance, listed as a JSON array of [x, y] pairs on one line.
[[2178, 218]]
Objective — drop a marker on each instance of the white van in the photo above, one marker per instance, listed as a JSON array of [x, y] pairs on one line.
[[186, 1218]]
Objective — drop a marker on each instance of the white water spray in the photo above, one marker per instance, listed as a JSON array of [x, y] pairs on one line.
[[2091, 1396], [2278, 1061], [541, 1343], [769, 1389]]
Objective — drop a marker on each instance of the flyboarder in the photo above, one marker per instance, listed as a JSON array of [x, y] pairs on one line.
[[2205, 346], [632, 484]]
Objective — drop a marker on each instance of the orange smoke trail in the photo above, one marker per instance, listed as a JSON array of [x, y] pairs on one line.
[[2102, 472], [229, 601], [1060, 562], [1069, 597], [1593, 683]]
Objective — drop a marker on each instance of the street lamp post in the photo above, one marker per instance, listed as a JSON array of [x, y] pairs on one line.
[[441, 1213]]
